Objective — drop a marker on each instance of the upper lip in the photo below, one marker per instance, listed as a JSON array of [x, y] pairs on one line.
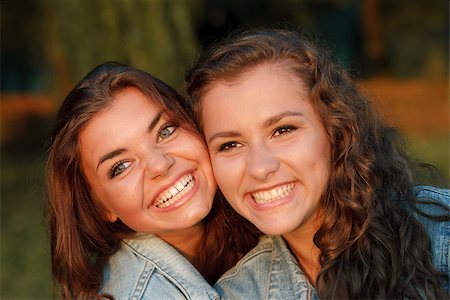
[[171, 183], [270, 187]]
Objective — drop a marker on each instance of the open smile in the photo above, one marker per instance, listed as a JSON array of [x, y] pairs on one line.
[[175, 192], [273, 194]]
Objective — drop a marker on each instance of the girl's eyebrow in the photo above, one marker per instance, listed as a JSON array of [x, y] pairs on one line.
[[116, 152], [110, 155], [277, 118], [269, 122], [228, 134]]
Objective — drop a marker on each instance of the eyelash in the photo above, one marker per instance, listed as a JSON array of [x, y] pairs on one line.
[[115, 168], [165, 127], [286, 129], [228, 146]]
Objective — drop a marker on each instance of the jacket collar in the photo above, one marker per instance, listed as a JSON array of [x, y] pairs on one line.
[[175, 266]]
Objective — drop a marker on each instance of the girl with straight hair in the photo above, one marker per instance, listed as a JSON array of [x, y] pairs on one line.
[[130, 195]]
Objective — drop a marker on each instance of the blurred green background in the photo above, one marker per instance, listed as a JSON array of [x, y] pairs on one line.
[[398, 50]]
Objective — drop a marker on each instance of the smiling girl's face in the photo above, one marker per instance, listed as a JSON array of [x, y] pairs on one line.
[[152, 175], [269, 150]]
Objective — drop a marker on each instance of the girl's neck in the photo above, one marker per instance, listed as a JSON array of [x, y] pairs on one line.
[[187, 241], [301, 244]]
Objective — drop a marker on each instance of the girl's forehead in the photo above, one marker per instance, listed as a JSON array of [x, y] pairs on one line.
[[263, 73]]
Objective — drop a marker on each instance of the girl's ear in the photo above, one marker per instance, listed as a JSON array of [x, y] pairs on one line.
[[110, 217]]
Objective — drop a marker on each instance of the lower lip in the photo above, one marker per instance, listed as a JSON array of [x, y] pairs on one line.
[[272, 204], [184, 199]]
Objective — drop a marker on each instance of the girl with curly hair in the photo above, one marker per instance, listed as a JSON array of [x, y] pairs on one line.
[[301, 153]]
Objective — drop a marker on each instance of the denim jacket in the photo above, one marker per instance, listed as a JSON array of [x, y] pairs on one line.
[[149, 268], [270, 271], [439, 232]]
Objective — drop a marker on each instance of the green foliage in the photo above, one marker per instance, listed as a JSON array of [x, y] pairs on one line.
[[25, 259], [434, 151], [416, 37], [155, 35]]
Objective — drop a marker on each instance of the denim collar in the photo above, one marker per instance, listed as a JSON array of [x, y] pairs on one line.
[[287, 273], [175, 266]]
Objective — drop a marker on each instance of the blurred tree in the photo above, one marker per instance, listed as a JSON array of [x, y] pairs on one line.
[[20, 46], [219, 18], [374, 45], [154, 35], [333, 21], [338, 21], [416, 34], [56, 42]]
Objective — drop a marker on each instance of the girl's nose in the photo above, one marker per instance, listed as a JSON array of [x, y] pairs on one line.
[[262, 163], [159, 164]]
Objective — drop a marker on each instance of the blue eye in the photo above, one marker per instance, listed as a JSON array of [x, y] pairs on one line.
[[284, 130], [166, 131], [229, 146], [118, 168]]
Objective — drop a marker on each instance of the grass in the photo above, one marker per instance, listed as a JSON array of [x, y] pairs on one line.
[[25, 261]]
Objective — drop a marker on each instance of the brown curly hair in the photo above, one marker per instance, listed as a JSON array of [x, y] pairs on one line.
[[82, 239], [370, 245]]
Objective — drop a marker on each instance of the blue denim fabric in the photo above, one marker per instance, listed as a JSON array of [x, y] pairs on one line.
[[439, 232], [270, 271], [149, 268]]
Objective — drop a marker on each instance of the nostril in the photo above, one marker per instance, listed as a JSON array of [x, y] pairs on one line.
[[159, 165]]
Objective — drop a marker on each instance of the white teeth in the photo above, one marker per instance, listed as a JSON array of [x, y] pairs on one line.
[[180, 186], [175, 192], [273, 194]]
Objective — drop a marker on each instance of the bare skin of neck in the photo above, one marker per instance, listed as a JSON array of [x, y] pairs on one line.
[[303, 248], [187, 241]]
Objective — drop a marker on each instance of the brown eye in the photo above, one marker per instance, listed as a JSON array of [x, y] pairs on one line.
[[283, 130], [229, 145]]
